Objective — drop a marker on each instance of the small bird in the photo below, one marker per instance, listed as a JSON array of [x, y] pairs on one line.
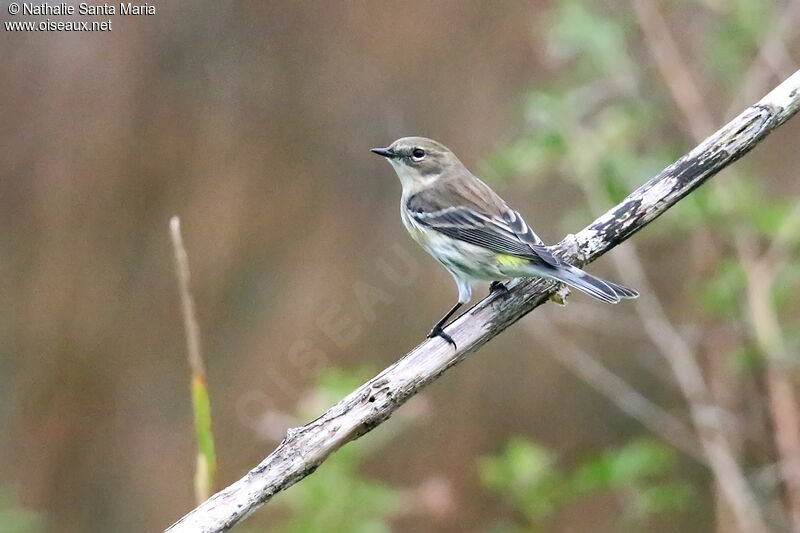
[[471, 231]]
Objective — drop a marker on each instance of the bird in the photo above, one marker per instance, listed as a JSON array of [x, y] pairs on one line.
[[472, 231]]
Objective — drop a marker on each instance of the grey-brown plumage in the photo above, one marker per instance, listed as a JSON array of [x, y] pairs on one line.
[[471, 231]]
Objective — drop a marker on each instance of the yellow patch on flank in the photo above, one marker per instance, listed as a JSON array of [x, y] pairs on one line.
[[511, 261], [418, 235]]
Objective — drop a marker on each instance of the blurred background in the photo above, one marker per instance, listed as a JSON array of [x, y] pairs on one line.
[[253, 122]]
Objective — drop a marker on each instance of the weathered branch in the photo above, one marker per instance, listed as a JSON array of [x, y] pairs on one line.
[[305, 448]]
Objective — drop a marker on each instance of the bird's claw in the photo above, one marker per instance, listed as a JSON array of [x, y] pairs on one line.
[[497, 286], [437, 331]]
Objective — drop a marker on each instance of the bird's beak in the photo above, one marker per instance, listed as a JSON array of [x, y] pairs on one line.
[[384, 152]]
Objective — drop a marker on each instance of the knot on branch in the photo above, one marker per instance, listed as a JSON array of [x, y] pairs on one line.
[[753, 123]]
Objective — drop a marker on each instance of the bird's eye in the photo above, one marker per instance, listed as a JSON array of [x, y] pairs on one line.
[[418, 154]]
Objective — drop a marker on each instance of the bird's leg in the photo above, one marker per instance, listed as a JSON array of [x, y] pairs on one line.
[[497, 286], [437, 330]]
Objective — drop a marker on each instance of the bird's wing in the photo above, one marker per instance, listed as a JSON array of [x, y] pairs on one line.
[[524, 233], [504, 231]]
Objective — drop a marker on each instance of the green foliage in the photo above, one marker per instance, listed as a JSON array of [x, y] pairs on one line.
[[722, 293], [586, 128], [16, 519], [530, 480], [734, 36], [525, 475], [594, 42], [337, 498], [701, 208], [599, 127], [525, 156], [206, 456], [592, 127]]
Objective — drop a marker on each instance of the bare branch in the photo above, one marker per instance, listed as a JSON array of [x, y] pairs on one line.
[[766, 328], [187, 302], [686, 94], [772, 58], [786, 234], [305, 448], [674, 70], [706, 416], [592, 372]]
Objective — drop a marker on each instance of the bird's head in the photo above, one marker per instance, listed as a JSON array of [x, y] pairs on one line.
[[418, 161]]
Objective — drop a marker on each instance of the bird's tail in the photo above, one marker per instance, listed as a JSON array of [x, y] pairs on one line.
[[603, 290]]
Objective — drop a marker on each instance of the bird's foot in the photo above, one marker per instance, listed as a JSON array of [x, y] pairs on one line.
[[560, 294], [437, 331], [498, 286]]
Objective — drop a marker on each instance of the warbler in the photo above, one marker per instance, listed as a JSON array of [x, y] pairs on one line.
[[471, 231]]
